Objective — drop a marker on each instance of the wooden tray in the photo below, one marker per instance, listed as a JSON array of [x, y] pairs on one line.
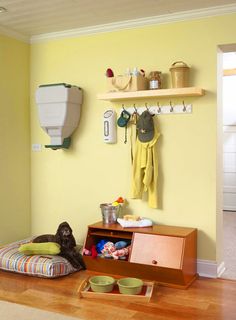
[[85, 291]]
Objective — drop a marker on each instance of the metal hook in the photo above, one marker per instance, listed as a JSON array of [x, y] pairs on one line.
[[159, 108], [171, 107], [135, 109], [135, 115], [147, 107], [184, 107], [123, 107]]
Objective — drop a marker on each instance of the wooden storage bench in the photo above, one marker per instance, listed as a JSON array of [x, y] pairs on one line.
[[165, 254]]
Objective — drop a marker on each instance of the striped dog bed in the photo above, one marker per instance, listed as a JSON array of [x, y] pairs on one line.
[[36, 265]]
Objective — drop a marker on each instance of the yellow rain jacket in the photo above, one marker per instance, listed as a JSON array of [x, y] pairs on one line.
[[145, 170]]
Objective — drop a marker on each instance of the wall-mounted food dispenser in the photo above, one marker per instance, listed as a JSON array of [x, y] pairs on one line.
[[109, 126], [59, 112]]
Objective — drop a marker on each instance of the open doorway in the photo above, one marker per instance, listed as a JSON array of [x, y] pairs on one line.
[[228, 88]]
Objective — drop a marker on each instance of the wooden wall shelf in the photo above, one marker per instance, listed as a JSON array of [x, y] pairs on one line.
[[161, 93]]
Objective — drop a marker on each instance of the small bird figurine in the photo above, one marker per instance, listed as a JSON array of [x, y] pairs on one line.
[[109, 73]]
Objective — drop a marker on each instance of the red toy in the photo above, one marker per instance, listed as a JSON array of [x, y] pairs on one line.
[[120, 200], [94, 252]]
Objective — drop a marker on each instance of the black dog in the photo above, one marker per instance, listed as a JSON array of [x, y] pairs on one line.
[[66, 240]]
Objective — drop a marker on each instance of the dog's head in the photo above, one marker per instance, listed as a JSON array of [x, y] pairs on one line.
[[64, 230]]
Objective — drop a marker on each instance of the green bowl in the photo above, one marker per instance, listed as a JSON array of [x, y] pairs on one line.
[[102, 283], [130, 285]]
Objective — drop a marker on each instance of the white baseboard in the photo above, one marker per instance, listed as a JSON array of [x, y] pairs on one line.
[[220, 269], [209, 268]]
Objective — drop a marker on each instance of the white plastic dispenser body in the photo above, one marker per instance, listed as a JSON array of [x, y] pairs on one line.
[[59, 110], [109, 126]]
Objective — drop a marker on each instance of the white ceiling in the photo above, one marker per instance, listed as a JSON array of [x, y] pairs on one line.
[[31, 17]]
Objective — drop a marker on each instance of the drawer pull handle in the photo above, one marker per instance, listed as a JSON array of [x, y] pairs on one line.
[[154, 262]]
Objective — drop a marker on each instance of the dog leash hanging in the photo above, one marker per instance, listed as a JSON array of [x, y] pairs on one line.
[[123, 121], [133, 132], [125, 141]]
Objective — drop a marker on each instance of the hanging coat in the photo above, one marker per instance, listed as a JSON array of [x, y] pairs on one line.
[[145, 170]]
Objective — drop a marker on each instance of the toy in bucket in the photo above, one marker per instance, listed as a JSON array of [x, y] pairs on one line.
[[111, 211]]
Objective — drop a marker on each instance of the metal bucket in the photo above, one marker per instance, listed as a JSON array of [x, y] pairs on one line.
[[110, 213]]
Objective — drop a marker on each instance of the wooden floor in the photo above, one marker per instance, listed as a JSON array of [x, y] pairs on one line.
[[205, 299]]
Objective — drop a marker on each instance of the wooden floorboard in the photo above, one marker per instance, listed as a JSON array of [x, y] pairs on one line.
[[204, 299]]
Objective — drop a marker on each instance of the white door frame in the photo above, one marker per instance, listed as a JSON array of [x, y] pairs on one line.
[[219, 165]]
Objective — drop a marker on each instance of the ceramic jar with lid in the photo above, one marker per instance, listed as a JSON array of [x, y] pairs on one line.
[[155, 80], [179, 74]]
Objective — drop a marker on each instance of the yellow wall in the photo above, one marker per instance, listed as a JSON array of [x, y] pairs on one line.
[[70, 185], [14, 141]]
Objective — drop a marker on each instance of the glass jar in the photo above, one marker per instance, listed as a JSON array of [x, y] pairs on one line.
[[155, 80]]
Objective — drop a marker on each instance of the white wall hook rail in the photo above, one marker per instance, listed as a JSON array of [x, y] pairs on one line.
[[167, 109]]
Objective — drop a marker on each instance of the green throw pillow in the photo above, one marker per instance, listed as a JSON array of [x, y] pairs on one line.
[[51, 248]]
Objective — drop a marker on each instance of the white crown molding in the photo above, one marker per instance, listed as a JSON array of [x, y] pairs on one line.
[[129, 24], [13, 34]]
